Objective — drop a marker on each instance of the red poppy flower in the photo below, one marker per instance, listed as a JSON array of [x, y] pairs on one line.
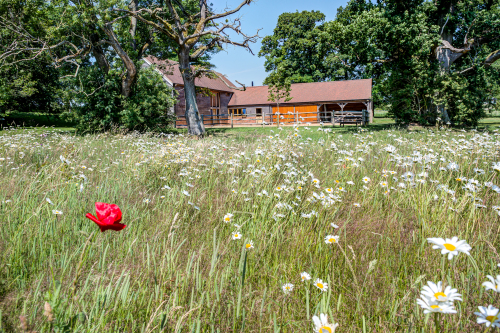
[[109, 216]]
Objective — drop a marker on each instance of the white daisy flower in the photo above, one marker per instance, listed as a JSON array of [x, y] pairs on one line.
[[494, 284], [334, 225], [434, 306], [186, 193], [305, 276], [323, 286], [56, 212], [436, 292], [330, 239], [228, 217], [249, 245], [322, 325], [450, 246], [488, 316], [366, 180], [49, 201], [287, 288], [236, 235]]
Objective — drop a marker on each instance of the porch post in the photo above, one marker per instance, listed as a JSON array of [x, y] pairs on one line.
[[371, 111]]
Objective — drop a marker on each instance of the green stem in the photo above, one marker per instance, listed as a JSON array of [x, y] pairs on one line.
[[436, 322], [244, 270]]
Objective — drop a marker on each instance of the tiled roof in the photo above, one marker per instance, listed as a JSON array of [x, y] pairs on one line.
[[170, 69], [314, 92]]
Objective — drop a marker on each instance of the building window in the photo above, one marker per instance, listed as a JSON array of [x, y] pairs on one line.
[[238, 112], [258, 112]]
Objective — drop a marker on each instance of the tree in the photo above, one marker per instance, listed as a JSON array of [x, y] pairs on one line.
[[279, 92], [298, 47], [25, 86], [196, 31], [97, 54], [428, 59]]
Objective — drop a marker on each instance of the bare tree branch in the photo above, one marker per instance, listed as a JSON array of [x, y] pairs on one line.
[[229, 12], [490, 59]]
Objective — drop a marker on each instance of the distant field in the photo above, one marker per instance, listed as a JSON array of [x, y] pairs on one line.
[[351, 208]]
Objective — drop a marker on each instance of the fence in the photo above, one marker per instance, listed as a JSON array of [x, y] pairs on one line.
[[289, 118]]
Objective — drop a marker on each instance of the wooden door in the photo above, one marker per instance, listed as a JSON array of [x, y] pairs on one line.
[[307, 113], [286, 114]]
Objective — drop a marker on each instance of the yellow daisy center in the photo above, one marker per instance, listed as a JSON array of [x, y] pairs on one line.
[[235, 235], [325, 329], [450, 247], [227, 218], [491, 318], [332, 240], [439, 294], [434, 306], [320, 285], [248, 245], [287, 287]]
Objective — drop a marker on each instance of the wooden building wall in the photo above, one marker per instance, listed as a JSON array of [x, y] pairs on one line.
[[203, 101], [304, 112]]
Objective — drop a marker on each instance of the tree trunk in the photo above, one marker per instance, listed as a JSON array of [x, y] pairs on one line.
[[98, 54], [133, 23], [444, 55], [193, 119], [131, 70]]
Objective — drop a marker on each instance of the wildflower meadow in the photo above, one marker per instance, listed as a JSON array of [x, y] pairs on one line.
[[296, 229]]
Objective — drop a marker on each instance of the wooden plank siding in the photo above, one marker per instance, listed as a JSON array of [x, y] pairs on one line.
[[287, 113]]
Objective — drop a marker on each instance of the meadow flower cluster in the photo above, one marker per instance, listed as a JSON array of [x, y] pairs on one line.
[[297, 229]]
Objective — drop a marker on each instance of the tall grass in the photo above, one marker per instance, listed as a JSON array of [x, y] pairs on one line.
[[176, 268]]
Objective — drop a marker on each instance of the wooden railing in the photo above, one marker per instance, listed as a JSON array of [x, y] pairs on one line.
[[290, 118]]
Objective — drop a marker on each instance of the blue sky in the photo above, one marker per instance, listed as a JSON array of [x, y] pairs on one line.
[[239, 64]]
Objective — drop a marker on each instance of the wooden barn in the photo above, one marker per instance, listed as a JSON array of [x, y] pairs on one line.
[[220, 104], [211, 102], [311, 102]]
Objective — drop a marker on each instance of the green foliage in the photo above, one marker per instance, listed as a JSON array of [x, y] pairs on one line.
[[279, 92], [297, 47], [98, 104], [28, 87], [25, 86], [395, 43]]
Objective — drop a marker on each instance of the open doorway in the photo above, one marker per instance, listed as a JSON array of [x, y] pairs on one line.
[[258, 115]]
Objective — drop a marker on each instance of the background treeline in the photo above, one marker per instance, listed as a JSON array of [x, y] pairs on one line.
[[82, 60], [429, 60]]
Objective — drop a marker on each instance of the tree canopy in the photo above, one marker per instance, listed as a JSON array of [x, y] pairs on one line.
[[297, 47], [428, 60]]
